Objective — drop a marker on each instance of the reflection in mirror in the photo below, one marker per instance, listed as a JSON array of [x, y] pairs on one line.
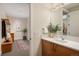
[[65, 23], [71, 20]]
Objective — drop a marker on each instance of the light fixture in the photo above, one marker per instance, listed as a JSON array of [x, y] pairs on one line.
[[55, 6]]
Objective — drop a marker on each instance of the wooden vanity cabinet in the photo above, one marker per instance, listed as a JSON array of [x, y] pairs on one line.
[[52, 49], [74, 53], [47, 48], [64, 51], [61, 51]]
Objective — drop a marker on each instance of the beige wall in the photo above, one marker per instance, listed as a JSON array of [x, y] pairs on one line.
[[2, 15], [0, 31], [17, 25], [39, 17], [15, 17], [74, 23]]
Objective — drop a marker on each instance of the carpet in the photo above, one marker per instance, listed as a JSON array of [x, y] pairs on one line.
[[22, 45]]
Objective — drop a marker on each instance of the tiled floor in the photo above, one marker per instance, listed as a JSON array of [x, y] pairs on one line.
[[18, 52]]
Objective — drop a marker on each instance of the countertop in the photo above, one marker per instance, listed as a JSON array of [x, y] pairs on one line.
[[70, 42]]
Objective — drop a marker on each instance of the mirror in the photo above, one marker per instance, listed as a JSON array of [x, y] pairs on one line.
[[71, 19]]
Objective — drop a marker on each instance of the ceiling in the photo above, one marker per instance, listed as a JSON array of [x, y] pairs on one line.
[[21, 10], [72, 6], [18, 10]]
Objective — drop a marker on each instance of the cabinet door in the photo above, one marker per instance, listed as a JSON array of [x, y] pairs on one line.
[[52, 49], [74, 53], [47, 48], [61, 51], [64, 51]]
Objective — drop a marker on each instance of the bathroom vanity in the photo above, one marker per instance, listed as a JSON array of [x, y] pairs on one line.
[[67, 42], [58, 47]]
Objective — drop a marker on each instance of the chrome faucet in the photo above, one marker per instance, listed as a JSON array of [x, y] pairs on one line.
[[62, 38]]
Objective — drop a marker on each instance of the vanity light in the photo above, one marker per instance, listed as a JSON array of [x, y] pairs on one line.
[[56, 6]]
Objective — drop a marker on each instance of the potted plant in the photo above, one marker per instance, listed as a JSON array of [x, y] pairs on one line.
[[52, 29], [24, 32]]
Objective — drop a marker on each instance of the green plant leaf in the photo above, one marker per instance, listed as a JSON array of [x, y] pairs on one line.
[[53, 28]]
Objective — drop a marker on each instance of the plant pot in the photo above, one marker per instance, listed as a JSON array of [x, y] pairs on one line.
[[51, 35], [24, 38]]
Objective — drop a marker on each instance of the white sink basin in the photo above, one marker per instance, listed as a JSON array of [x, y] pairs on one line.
[[63, 41]]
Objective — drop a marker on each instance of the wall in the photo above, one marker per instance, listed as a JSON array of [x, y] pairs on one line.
[[74, 23], [17, 25], [18, 15], [2, 15], [39, 18], [0, 31]]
